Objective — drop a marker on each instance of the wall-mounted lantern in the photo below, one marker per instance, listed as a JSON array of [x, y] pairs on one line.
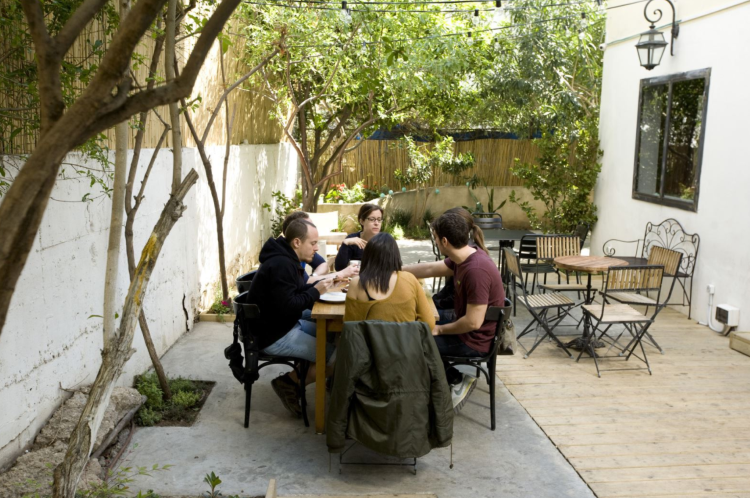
[[651, 44]]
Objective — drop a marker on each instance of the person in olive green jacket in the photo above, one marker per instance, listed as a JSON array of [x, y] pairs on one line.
[[389, 392]]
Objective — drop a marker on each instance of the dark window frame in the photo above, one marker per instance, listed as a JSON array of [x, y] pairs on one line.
[[688, 205]]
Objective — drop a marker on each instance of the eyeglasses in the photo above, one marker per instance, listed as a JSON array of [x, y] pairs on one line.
[[375, 220]]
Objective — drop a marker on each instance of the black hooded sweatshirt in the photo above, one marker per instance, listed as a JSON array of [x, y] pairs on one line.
[[279, 291]]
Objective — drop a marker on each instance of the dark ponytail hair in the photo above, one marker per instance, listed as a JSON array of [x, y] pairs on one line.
[[476, 233], [379, 260]]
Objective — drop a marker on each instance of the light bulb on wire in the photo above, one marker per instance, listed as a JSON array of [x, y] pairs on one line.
[[345, 14], [475, 18], [498, 14]]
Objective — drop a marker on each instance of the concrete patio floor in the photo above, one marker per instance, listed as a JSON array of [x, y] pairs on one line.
[[516, 460]]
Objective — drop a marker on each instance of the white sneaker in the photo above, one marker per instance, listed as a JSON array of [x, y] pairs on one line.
[[460, 392]]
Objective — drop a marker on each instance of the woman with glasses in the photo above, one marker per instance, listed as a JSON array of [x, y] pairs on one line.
[[384, 292], [371, 219]]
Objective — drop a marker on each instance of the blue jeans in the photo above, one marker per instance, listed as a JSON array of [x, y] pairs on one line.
[[300, 342], [451, 345]]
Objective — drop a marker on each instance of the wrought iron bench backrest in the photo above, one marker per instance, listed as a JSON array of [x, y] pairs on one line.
[[669, 234]]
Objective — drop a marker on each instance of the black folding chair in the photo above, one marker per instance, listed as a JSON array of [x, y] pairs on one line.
[[255, 360], [244, 281], [539, 305], [495, 314]]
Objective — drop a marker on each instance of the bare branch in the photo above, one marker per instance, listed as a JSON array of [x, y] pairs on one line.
[[32, 9], [139, 197], [226, 161], [80, 18], [117, 57]]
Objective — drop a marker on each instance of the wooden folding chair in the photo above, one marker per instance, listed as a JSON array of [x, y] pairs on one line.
[[623, 281], [671, 261], [539, 305], [549, 247]]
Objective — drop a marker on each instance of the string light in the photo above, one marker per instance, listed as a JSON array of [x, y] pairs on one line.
[[346, 16]]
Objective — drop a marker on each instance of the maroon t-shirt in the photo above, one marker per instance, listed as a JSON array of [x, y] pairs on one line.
[[477, 281]]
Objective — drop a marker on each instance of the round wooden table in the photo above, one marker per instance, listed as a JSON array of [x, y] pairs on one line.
[[587, 264]]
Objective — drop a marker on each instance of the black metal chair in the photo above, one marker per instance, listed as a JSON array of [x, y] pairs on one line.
[[582, 232], [256, 360], [494, 314], [244, 281]]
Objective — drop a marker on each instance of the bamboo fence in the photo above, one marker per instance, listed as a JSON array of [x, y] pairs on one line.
[[252, 120], [376, 161]]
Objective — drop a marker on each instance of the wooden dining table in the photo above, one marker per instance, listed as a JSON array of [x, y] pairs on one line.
[[330, 318]]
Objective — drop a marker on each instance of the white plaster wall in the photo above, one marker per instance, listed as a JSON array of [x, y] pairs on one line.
[[718, 41], [49, 342], [254, 172]]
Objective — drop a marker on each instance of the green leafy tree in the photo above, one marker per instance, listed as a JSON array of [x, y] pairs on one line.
[[339, 79], [543, 71], [562, 178]]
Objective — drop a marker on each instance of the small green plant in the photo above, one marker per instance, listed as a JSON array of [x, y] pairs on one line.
[[401, 218], [184, 399], [148, 385], [427, 217], [213, 482], [117, 483], [148, 417], [186, 394], [340, 193], [417, 233], [180, 384], [221, 307], [343, 221], [372, 193], [284, 206], [479, 207]]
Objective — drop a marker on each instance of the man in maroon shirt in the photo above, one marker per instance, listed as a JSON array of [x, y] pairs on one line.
[[478, 286]]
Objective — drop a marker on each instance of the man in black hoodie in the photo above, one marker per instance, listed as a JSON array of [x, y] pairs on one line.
[[284, 300]]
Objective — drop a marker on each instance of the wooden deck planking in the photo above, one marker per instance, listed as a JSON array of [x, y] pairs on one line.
[[676, 433]]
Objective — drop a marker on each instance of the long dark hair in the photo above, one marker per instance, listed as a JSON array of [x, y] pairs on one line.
[[380, 259], [476, 233]]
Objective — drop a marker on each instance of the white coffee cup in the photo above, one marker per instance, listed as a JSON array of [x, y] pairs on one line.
[[355, 262]]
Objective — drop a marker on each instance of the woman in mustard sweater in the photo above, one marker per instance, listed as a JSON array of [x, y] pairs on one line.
[[384, 292]]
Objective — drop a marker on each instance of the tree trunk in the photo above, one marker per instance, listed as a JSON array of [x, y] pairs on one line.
[[119, 351], [115, 232], [174, 110], [217, 211], [131, 212], [308, 201], [115, 220], [96, 110]]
